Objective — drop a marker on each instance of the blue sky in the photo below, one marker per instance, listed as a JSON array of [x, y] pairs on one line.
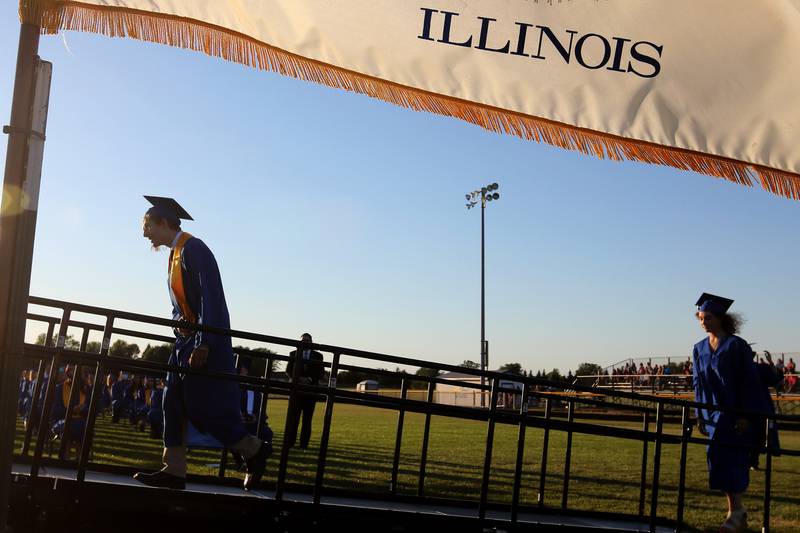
[[344, 216]]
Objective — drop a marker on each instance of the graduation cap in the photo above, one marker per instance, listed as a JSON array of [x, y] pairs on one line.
[[713, 304], [167, 208]]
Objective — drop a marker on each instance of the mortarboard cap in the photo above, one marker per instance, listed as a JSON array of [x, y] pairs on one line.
[[167, 208], [713, 304]]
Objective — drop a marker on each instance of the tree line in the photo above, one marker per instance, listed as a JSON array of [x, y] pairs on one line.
[[159, 353]]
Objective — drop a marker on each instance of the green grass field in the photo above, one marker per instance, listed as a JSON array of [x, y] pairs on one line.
[[604, 472]]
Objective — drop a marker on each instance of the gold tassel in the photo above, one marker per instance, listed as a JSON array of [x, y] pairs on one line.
[[55, 15]]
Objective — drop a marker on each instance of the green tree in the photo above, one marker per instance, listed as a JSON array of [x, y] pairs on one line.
[[588, 369], [511, 368], [93, 347], [470, 364], [69, 343], [554, 375], [426, 372], [123, 349], [157, 354], [258, 364]]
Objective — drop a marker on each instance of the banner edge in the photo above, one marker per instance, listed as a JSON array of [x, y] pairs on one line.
[[173, 30]]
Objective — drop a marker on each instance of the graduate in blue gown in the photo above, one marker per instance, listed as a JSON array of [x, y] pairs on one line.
[[80, 408], [725, 375], [25, 393], [210, 405], [120, 397], [155, 415]]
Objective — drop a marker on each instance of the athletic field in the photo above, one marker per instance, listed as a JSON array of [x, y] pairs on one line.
[[604, 472]]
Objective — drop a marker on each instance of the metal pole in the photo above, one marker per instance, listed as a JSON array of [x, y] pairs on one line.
[[94, 403], [17, 228], [656, 466], [326, 428], [290, 426], [686, 432], [768, 475], [398, 443], [545, 444], [426, 435], [523, 424], [568, 454], [487, 457], [484, 355], [643, 482]]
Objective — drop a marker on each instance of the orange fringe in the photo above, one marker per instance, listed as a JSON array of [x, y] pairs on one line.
[[55, 15]]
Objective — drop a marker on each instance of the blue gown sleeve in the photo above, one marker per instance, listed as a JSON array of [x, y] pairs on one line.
[[696, 384], [749, 390], [743, 389], [206, 281]]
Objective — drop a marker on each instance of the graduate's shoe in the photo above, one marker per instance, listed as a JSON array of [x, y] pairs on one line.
[[161, 479], [256, 465], [735, 523]]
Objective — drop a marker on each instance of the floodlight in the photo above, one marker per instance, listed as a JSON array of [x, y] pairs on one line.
[[495, 186], [496, 196]]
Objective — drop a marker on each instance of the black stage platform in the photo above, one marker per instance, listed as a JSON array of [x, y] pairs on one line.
[[115, 502]]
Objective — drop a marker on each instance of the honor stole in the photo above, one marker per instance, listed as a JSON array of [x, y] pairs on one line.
[[65, 390], [176, 279]]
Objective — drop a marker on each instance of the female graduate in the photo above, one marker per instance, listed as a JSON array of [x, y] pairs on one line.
[[725, 375]]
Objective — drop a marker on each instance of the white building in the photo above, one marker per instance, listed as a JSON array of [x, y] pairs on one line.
[[367, 385], [458, 394]]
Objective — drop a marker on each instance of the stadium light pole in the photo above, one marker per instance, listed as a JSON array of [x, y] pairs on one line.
[[482, 196]]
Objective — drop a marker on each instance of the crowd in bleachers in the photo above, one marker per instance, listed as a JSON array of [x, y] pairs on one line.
[[787, 368], [648, 374], [678, 375]]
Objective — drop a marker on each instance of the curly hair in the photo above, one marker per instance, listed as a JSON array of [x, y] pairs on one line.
[[731, 323]]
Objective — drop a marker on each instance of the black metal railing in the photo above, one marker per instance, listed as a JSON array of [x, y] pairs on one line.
[[646, 406]]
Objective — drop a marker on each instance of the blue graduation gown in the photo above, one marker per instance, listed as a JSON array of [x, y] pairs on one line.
[[58, 415], [25, 395], [212, 406], [728, 378]]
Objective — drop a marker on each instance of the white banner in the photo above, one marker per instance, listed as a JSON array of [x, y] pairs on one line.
[[705, 85]]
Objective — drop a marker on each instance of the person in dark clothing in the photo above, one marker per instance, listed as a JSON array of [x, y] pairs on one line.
[[770, 377], [310, 372]]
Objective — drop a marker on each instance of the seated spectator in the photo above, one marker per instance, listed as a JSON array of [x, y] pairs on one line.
[[155, 416], [791, 376], [139, 401], [105, 393], [249, 404], [120, 398], [25, 393], [32, 418], [77, 417]]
